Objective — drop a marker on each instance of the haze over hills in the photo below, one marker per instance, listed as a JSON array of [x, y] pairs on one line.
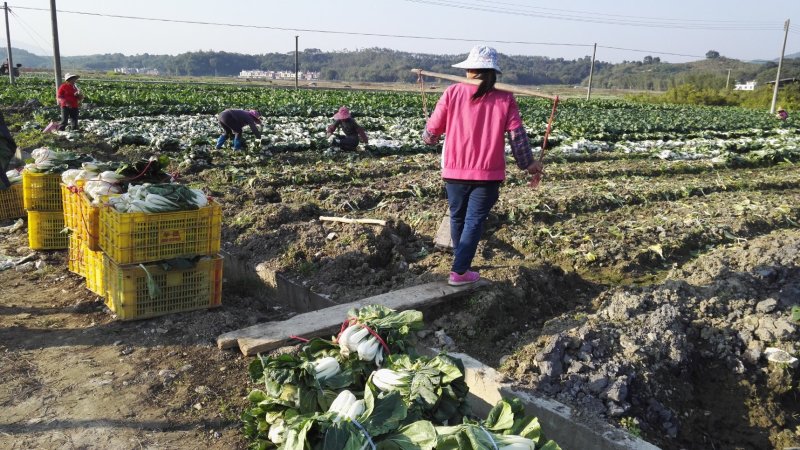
[[385, 65]]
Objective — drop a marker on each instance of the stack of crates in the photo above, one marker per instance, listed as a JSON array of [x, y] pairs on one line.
[[41, 193], [83, 220], [162, 263], [11, 203]]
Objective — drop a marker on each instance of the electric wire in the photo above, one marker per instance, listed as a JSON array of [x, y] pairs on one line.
[[355, 33], [660, 19], [574, 18], [305, 30], [28, 30]]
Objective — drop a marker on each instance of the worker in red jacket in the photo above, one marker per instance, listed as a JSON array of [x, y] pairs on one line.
[[69, 98]]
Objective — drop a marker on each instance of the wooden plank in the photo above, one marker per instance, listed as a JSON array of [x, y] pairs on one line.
[[271, 335]]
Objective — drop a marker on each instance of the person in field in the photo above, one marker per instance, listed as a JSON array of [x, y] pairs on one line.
[[475, 120], [69, 98], [7, 149], [353, 133], [782, 114], [232, 121]]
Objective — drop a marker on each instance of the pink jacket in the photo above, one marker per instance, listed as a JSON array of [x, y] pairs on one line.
[[475, 141]]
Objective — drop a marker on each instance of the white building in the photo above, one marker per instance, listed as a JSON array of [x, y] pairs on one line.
[[278, 75], [136, 71], [748, 86]]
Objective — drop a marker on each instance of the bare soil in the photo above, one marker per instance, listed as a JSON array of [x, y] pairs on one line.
[[75, 377]]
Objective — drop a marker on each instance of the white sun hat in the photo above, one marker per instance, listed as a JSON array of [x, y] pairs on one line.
[[481, 57], [70, 75]]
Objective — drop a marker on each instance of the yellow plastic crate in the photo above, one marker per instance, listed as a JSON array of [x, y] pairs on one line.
[[140, 237], [95, 271], [81, 216], [76, 262], [41, 191], [70, 201], [178, 289], [45, 231], [11, 203], [89, 223]]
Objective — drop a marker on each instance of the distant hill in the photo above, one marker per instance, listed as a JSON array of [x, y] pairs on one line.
[[28, 59], [711, 73], [385, 65]]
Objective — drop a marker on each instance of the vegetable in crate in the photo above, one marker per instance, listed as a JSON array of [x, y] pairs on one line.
[[159, 198], [46, 160], [151, 170]]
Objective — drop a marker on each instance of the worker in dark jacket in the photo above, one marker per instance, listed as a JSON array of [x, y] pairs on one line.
[[353, 133], [232, 121], [7, 149]]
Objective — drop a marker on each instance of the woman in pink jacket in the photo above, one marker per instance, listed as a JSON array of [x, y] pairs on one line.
[[475, 120]]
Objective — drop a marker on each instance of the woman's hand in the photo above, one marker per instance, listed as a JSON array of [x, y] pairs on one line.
[[537, 170]]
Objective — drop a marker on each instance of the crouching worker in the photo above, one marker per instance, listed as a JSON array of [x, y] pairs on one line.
[[353, 134], [7, 149], [232, 121]]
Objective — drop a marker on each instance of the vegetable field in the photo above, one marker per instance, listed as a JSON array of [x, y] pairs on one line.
[[641, 283]]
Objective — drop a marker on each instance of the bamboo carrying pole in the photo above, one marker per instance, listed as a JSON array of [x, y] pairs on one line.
[[349, 220], [500, 86]]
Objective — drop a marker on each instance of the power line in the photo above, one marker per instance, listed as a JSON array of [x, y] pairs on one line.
[[660, 19], [648, 51], [306, 30], [28, 31], [574, 18], [354, 33]]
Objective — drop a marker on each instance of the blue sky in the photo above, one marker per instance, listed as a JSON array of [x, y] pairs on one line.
[[736, 28]]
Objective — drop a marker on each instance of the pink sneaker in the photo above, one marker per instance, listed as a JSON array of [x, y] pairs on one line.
[[460, 280]]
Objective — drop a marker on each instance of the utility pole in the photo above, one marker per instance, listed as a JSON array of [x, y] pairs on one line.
[[296, 62], [591, 73], [56, 52], [8, 48], [780, 64], [728, 81]]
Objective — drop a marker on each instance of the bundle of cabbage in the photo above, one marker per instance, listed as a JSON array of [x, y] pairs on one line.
[[95, 185], [14, 177], [91, 170], [357, 338], [346, 406], [159, 198], [51, 161], [105, 184]]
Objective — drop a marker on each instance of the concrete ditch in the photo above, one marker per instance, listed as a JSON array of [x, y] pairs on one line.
[[559, 422]]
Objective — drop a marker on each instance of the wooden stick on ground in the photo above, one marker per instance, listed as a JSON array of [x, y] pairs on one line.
[[499, 86], [348, 220]]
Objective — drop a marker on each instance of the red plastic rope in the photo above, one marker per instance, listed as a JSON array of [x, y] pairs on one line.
[[143, 170], [345, 324], [372, 332], [301, 339]]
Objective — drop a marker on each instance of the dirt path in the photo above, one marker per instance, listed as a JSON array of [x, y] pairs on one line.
[[75, 378]]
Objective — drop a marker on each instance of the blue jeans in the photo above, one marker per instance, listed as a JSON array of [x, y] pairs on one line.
[[469, 207]]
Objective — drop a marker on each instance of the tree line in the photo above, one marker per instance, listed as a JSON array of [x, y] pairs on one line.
[[386, 65]]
